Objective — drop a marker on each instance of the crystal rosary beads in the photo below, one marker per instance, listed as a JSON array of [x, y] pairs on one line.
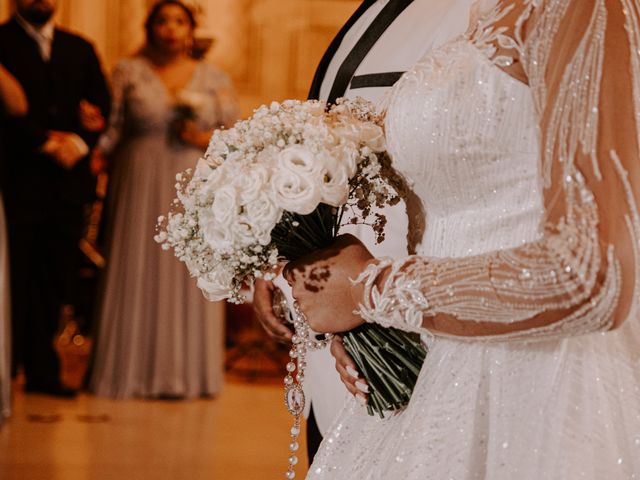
[[294, 398]]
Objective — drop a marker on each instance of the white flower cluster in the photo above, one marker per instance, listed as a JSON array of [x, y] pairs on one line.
[[287, 157]]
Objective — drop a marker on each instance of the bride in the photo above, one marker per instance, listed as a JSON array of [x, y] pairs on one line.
[[522, 140]]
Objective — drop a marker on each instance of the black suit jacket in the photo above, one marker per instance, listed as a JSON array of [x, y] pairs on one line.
[[54, 90], [318, 78]]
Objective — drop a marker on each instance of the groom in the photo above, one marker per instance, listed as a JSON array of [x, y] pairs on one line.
[[382, 40]]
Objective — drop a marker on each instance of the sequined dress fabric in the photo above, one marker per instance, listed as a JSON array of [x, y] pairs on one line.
[[554, 400]]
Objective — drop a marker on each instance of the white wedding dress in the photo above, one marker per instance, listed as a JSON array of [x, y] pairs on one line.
[[512, 235]]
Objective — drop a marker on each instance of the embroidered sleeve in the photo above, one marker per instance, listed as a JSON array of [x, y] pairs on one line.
[[581, 60], [113, 133]]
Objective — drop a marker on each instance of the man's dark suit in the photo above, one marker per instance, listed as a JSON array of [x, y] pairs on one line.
[[45, 203]]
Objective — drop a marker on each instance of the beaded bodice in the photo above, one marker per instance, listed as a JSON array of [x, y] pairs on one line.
[[475, 164]]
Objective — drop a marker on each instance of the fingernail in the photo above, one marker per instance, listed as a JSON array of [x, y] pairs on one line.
[[362, 400], [354, 373], [363, 387]]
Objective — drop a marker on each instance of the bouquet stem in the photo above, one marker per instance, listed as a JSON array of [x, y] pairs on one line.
[[390, 361]]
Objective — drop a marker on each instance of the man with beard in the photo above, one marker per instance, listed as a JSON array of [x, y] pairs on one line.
[[48, 180], [382, 40]]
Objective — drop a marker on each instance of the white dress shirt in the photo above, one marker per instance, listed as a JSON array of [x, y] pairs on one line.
[[423, 25]]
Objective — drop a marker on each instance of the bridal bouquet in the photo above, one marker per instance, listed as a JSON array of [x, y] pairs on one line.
[[276, 187], [186, 107]]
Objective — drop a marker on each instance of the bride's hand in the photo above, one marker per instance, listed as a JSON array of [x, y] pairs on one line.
[[348, 370], [321, 284]]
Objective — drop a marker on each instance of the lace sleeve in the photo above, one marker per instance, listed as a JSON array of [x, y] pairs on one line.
[[113, 133], [225, 97], [581, 61]]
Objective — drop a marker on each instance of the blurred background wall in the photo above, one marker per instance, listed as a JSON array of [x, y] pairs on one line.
[[269, 47]]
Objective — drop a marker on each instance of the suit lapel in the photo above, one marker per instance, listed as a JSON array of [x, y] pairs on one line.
[[318, 78], [28, 43], [57, 45], [385, 18]]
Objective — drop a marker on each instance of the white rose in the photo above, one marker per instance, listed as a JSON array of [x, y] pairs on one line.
[[216, 179], [217, 146], [235, 156], [225, 206], [216, 285], [296, 193], [263, 214], [373, 137], [243, 234], [203, 169], [219, 237], [346, 132], [300, 160], [335, 184], [251, 182], [346, 156]]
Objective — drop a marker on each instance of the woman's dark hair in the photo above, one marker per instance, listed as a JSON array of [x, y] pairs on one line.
[[155, 11]]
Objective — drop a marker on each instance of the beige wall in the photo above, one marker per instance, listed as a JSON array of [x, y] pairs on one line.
[[269, 47]]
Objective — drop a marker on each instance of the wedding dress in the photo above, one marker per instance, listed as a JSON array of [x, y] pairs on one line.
[[531, 240]]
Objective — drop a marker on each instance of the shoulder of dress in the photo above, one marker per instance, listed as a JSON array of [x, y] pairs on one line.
[[127, 69], [210, 68], [129, 63], [126, 61]]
